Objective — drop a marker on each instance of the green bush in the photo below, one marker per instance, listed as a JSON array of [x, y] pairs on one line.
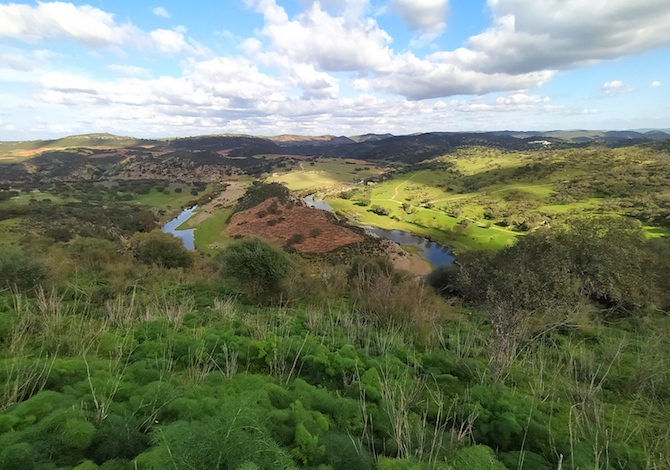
[[19, 270], [161, 249], [259, 268], [92, 253]]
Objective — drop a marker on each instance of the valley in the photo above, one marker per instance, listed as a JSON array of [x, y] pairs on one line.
[[533, 335]]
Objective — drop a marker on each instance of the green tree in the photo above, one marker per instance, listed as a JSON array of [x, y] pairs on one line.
[[258, 267], [161, 249], [17, 269]]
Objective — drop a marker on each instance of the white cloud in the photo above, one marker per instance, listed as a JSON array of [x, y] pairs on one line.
[[419, 79], [329, 43], [89, 27], [314, 84], [655, 83], [160, 11], [615, 87], [221, 83], [510, 103], [429, 17], [173, 42], [129, 70], [84, 24], [532, 35]]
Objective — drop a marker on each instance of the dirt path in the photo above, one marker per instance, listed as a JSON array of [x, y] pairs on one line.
[[232, 193], [397, 188]]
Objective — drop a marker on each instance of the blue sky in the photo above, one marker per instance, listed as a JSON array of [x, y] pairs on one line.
[[344, 67]]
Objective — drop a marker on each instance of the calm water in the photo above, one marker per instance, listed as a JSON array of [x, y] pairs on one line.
[[318, 204], [187, 236], [434, 252]]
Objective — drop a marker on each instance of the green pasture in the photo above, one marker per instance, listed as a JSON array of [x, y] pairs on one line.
[[323, 174], [170, 200], [209, 233], [23, 199], [430, 223]]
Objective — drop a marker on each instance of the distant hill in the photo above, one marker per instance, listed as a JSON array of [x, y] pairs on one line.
[[84, 141], [590, 135], [104, 156], [288, 139], [370, 137]]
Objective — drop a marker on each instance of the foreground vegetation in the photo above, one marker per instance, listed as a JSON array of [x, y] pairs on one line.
[[146, 356], [121, 350]]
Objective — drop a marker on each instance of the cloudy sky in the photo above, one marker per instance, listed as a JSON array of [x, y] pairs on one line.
[[345, 67]]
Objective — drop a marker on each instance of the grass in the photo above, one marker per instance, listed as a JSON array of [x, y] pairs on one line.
[[23, 199], [430, 223], [8, 229], [323, 174], [209, 236], [171, 200]]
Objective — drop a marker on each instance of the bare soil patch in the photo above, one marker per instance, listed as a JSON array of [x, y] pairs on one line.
[[232, 193], [313, 228]]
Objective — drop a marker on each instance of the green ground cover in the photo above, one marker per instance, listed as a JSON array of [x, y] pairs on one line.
[[323, 174], [209, 237], [171, 200]]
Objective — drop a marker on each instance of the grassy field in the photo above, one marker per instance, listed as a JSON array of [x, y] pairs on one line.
[[209, 236], [484, 198], [23, 199], [325, 173], [172, 200]]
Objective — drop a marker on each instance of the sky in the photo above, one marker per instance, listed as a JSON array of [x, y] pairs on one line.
[[343, 67]]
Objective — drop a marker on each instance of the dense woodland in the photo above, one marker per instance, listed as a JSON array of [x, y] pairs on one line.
[[119, 349]]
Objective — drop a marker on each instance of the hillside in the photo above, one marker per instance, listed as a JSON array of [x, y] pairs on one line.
[[290, 337]]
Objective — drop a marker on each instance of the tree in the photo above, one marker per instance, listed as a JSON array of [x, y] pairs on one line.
[[19, 270], [161, 249], [258, 267]]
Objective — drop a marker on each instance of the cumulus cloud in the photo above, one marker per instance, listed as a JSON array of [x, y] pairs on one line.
[[429, 17], [419, 79], [513, 102], [87, 26], [220, 83], [160, 11], [331, 43], [532, 35], [335, 44], [84, 24], [129, 70], [174, 42], [615, 87], [655, 83]]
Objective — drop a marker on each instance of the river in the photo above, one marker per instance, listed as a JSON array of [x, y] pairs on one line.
[[437, 254], [187, 236]]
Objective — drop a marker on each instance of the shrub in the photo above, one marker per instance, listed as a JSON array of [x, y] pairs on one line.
[[295, 239], [258, 267], [379, 210], [92, 253], [20, 270], [161, 249]]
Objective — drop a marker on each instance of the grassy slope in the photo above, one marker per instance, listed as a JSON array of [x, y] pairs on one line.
[[441, 200], [323, 174]]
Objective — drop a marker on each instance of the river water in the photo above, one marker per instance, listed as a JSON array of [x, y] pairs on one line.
[[187, 236], [437, 254]]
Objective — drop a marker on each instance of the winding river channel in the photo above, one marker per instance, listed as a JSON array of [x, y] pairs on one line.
[[437, 254], [187, 236]]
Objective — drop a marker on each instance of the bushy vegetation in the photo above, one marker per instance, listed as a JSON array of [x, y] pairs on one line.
[[121, 350], [162, 249], [259, 268]]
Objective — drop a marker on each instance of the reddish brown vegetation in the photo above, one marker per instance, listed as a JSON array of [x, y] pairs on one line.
[[281, 224]]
